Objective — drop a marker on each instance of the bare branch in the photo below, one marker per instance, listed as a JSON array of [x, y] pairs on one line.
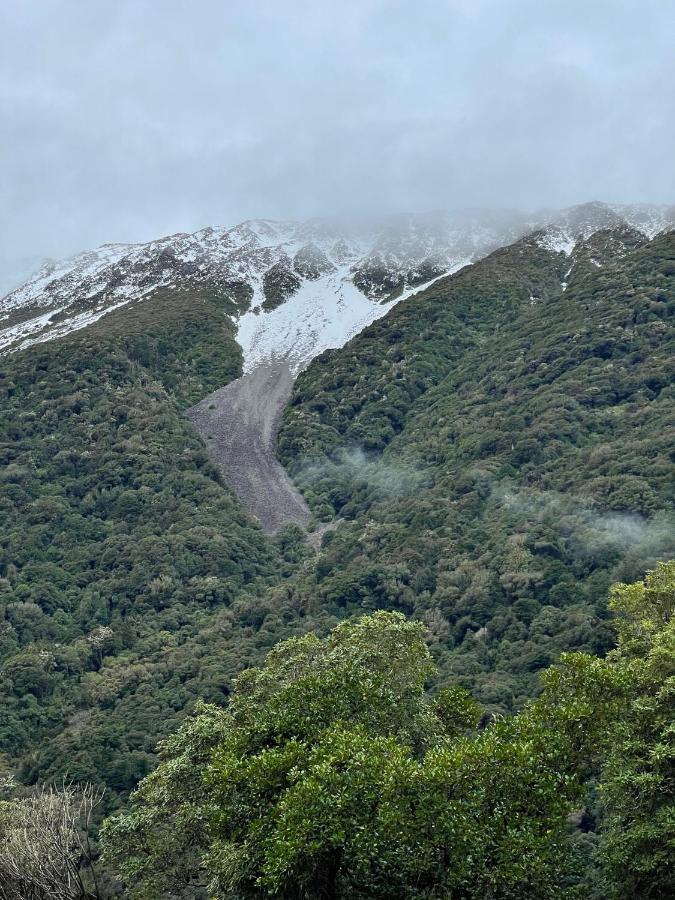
[[45, 852]]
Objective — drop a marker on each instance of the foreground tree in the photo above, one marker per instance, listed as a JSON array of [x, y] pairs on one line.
[[45, 853], [333, 774], [638, 777]]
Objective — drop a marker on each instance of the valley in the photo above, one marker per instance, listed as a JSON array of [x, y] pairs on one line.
[[470, 431]]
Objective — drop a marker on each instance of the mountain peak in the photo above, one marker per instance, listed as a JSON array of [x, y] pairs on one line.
[[300, 286]]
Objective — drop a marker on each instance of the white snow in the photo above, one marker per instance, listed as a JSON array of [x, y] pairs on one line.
[[41, 328], [25, 330], [649, 219], [321, 315], [77, 268], [565, 229], [558, 240]]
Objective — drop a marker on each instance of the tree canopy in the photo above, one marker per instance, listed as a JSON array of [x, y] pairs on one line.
[[334, 773]]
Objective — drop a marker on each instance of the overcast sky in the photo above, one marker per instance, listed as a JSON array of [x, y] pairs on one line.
[[128, 119]]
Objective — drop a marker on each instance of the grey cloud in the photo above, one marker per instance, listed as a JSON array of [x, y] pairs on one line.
[[127, 119]]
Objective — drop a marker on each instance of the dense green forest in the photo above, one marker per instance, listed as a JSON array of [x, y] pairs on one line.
[[333, 774], [501, 451], [124, 561], [493, 455]]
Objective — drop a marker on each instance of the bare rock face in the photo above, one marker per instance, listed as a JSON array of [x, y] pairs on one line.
[[311, 262], [279, 283]]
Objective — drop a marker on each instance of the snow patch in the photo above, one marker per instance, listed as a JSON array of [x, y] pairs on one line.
[[329, 309], [557, 240], [321, 315], [24, 330]]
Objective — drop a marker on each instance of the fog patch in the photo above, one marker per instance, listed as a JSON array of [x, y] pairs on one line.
[[354, 475], [587, 531]]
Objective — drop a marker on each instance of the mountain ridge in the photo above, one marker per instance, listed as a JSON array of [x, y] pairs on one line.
[[490, 456], [339, 276]]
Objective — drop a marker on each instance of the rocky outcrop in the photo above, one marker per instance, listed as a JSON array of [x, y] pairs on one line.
[[264, 263], [279, 283]]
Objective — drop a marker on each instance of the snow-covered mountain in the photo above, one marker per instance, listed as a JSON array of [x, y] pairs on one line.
[[563, 229], [338, 276], [300, 287]]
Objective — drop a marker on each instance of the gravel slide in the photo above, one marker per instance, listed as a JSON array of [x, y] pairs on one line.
[[239, 424]]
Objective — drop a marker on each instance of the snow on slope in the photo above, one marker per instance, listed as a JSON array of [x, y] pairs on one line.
[[647, 218], [267, 262], [569, 226], [327, 280], [68, 296], [321, 315], [557, 239]]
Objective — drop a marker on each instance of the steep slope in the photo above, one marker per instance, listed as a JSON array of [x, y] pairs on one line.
[[337, 302], [258, 264], [501, 446], [337, 274], [496, 446], [123, 557]]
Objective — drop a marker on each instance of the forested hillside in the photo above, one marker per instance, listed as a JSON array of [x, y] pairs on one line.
[[334, 773], [126, 567], [501, 446], [488, 459]]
